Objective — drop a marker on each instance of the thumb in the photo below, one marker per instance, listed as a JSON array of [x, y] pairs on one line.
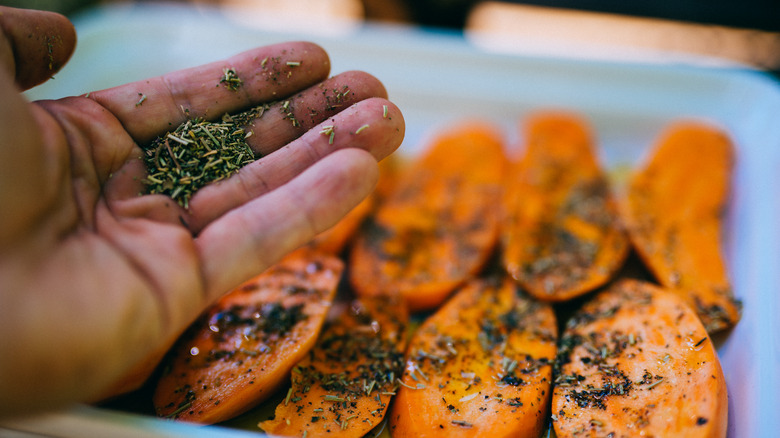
[[34, 44]]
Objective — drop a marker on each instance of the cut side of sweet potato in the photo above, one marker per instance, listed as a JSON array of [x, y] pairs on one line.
[[344, 385], [242, 350], [562, 236], [335, 239], [674, 207], [480, 366], [636, 361], [438, 226]]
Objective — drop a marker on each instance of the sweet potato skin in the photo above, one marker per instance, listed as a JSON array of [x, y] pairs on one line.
[[636, 361], [440, 223], [344, 385], [479, 366], [562, 235], [673, 208], [242, 350]]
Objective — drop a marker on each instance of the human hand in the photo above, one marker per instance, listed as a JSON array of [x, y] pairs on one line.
[[95, 278]]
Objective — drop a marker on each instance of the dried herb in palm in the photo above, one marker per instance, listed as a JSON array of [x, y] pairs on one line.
[[198, 152]]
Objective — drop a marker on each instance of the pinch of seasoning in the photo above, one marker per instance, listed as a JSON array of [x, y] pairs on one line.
[[230, 79], [359, 130], [345, 423], [50, 50], [182, 161], [468, 397], [461, 423], [293, 63], [330, 131], [287, 399], [181, 409], [370, 387], [140, 101], [384, 111], [654, 384], [405, 385]]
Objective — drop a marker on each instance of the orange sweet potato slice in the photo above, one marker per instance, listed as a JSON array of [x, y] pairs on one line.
[[338, 237], [636, 361], [674, 207], [440, 223], [345, 384], [335, 239], [562, 236], [480, 366], [242, 350]]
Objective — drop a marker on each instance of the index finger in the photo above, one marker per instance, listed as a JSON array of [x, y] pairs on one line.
[[150, 107]]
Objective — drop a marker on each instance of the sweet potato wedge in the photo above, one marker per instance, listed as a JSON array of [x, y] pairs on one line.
[[241, 350], [480, 366], [440, 223], [344, 385], [636, 361], [673, 208], [562, 236], [335, 239]]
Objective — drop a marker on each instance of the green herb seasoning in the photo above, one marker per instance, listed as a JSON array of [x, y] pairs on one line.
[[289, 113], [330, 131], [197, 153], [230, 79], [348, 378], [50, 40]]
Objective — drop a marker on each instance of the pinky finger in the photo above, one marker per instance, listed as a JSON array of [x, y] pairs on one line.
[[247, 240]]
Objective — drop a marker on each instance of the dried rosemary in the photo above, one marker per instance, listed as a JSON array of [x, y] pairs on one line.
[[230, 79], [197, 153]]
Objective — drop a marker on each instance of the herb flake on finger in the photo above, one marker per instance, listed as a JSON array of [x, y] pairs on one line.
[[330, 131], [230, 79], [141, 99], [289, 113]]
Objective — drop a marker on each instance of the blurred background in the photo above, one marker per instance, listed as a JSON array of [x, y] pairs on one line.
[[743, 31], [755, 14]]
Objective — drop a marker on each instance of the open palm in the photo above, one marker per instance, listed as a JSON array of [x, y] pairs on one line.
[[97, 278]]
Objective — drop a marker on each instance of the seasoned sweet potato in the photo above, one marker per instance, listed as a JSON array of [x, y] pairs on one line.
[[336, 238], [636, 361], [674, 208], [562, 236], [345, 384], [389, 170], [480, 366], [439, 225], [241, 350]]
